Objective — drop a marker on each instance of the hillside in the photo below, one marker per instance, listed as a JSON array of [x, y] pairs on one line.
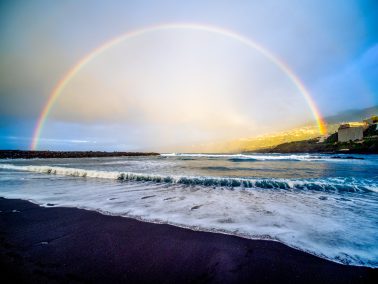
[[303, 133], [369, 145]]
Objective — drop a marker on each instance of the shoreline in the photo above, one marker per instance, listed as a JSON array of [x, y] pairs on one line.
[[367, 146], [57, 244], [26, 154]]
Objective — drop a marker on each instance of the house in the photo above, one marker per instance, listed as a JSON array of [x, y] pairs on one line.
[[351, 132]]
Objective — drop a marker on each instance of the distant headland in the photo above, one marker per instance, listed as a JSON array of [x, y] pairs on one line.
[[351, 137], [20, 154]]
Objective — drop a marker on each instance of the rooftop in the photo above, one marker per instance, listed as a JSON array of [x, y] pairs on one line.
[[352, 124]]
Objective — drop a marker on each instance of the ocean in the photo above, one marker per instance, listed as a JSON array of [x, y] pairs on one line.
[[326, 205]]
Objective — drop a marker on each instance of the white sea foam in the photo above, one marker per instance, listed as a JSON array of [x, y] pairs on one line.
[[268, 157], [242, 156], [329, 184], [334, 218]]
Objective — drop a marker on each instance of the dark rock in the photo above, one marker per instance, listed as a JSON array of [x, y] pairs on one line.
[[20, 154]]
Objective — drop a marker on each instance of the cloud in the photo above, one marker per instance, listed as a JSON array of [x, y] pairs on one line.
[[210, 85], [157, 91]]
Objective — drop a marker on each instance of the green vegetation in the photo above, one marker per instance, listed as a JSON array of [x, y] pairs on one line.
[[331, 139], [371, 131]]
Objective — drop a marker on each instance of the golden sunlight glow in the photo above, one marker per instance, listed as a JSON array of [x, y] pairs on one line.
[[187, 86]]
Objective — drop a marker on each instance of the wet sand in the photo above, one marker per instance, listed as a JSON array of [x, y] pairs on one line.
[[48, 245]]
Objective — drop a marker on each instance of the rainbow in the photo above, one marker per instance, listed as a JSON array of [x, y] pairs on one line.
[[129, 35]]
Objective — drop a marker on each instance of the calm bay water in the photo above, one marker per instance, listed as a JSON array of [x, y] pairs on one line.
[[323, 204]]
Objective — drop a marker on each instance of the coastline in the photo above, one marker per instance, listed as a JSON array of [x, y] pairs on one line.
[[39, 244], [26, 154], [313, 146]]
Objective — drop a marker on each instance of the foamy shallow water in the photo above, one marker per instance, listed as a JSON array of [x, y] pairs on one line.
[[322, 204]]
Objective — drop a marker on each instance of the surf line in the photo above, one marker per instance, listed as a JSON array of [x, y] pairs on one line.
[[59, 87]]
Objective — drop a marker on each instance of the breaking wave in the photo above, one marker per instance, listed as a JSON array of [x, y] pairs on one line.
[[324, 184], [266, 157]]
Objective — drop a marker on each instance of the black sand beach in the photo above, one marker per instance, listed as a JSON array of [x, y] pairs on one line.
[[48, 245]]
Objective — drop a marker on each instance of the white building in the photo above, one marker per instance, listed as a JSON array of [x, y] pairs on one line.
[[350, 132]]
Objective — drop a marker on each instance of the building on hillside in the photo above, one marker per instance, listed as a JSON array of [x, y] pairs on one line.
[[350, 132]]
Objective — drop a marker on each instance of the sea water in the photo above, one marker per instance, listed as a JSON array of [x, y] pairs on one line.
[[326, 205]]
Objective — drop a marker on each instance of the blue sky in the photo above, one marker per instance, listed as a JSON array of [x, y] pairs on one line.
[[331, 45]]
